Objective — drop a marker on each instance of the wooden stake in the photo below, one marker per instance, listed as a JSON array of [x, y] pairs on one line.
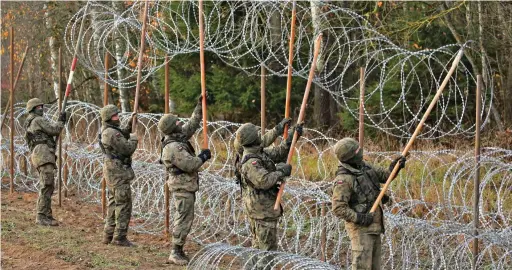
[[476, 201], [263, 101], [65, 180], [418, 129], [14, 87], [11, 114], [301, 114], [59, 160], [203, 74], [166, 187], [323, 234], [290, 70], [361, 106], [139, 66]]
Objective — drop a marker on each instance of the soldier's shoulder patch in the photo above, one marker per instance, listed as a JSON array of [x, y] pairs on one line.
[[254, 162], [339, 182], [118, 134], [180, 147]]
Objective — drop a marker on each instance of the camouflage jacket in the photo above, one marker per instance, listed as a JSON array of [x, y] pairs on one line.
[[260, 180], [355, 191], [119, 146], [43, 141], [179, 158]]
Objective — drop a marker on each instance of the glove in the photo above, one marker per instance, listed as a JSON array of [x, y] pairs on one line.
[[205, 155], [400, 159], [386, 199], [286, 169], [299, 130], [364, 219], [63, 118], [280, 127], [133, 137], [209, 98]]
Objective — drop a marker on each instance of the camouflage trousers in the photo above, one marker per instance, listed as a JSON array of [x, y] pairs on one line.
[[264, 237], [46, 188], [119, 210], [366, 250], [183, 216]]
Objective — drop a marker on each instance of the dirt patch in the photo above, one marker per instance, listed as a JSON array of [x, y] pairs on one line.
[[76, 243]]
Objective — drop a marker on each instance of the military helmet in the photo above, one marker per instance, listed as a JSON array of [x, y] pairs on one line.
[[345, 149], [108, 111], [247, 134], [168, 123], [31, 104]]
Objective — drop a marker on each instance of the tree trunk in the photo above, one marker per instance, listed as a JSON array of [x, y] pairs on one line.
[[120, 47], [54, 46]]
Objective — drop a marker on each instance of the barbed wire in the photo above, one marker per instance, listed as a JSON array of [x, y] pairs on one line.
[[428, 225], [249, 34]]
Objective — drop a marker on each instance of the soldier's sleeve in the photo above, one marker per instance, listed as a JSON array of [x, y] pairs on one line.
[[127, 127], [49, 128], [383, 174], [259, 176], [194, 122], [167, 156], [180, 158], [119, 143], [269, 137], [342, 190], [278, 153]]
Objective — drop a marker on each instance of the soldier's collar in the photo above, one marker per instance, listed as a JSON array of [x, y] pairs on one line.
[[351, 168], [253, 149]]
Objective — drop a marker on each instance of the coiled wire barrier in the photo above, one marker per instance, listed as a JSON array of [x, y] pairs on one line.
[[250, 34], [428, 225]]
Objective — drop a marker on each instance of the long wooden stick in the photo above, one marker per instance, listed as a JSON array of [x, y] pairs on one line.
[[166, 187], [59, 172], [263, 101], [203, 74], [11, 114], [361, 106], [301, 114], [14, 86], [418, 129], [476, 201], [139, 65], [290, 70], [105, 103]]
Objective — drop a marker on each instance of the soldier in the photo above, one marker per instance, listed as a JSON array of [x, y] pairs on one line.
[[178, 156], [356, 187], [41, 142], [117, 145], [261, 179]]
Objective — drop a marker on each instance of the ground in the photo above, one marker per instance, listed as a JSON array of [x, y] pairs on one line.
[[75, 244]]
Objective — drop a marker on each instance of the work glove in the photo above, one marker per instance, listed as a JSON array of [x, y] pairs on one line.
[[205, 155], [133, 137], [63, 117], [282, 124], [209, 98], [400, 159], [364, 219], [286, 169], [299, 130]]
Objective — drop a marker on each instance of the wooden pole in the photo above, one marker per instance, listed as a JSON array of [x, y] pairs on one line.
[[290, 70], [418, 129], [65, 180], [361, 106], [14, 87], [11, 114], [323, 234], [59, 160], [105, 103], [166, 187], [476, 201], [203, 74], [263, 101], [139, 66], [301, 114]]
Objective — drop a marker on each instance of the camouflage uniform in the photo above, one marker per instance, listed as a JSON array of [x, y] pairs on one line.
[[356, 187], [118, 146], [40, 139], [260, 182], [180, 161]]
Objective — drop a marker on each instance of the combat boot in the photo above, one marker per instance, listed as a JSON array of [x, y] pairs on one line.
[[52, 221], [44, 221], [177, 256], [107, 239], [122, 241]]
